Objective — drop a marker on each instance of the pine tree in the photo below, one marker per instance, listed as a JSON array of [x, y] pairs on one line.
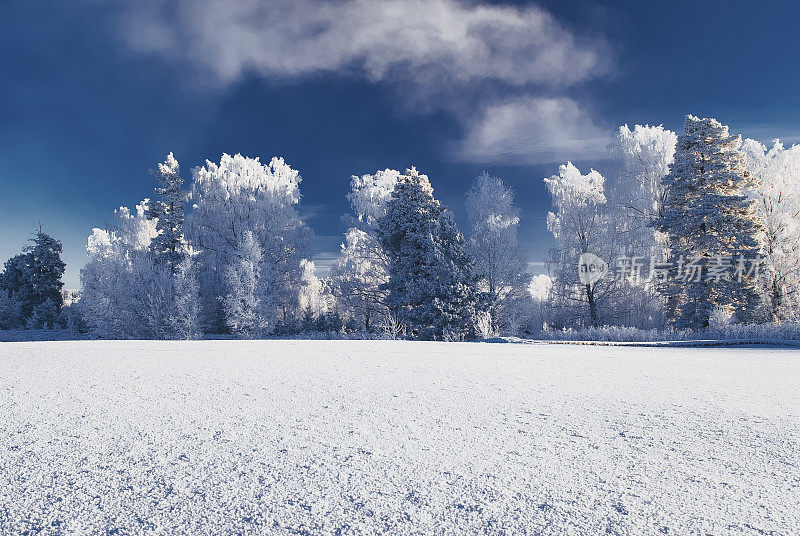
[[709, 219], [169, 245], [44, 271], [431, 286], [16, 288]]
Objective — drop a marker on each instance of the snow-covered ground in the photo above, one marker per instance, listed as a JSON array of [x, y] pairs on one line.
[[364, 437]]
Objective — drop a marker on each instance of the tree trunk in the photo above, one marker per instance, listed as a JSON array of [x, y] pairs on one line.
[[592, 305]]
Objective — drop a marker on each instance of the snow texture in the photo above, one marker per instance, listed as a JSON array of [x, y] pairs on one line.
[[366, 437]]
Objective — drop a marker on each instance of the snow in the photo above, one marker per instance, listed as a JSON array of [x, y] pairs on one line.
[[365, 437]]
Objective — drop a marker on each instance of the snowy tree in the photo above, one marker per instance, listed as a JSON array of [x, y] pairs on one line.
[[637, 196], [185, 312], [33, 279], [168, 245], [499, 264], [360, 273], [116, 280], [313, 299], [579, 228], [231, 198], [242, 304], [539, 289], [10, 311], [431, 283], [359, 277], [708, 220], [16, 290], [777, 201], [129, 293], [369, 195]]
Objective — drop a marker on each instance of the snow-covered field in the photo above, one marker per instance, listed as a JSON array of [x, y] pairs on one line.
[[364, 437]]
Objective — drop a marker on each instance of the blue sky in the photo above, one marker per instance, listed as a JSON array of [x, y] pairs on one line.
[[95, 93]]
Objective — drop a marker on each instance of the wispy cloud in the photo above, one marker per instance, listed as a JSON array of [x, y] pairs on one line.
[[373, 38], [439, 52], [534, 130]]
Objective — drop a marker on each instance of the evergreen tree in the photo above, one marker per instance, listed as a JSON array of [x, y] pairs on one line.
[[17, 290], [168, 245], [44, 271], [430, 274], [709, 219]]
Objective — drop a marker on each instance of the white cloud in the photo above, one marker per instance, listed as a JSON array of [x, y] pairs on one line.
[[459, 43], [528, 130], [459, 56]]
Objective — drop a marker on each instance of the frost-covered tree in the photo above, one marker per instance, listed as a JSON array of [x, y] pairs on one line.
[[166, 209], [231, 198], [777, 201], [359, 275], [637, 195], [313, 300], [185, 313], [16, 291], [431, 282], [579, 227], [115, 281], [127, 292], [10, 311], [369, 195], [45, 270], [707, 217], [499, 264], [242, 304], [32, 280]]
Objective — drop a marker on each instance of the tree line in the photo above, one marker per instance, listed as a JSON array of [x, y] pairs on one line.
[[691, 230]]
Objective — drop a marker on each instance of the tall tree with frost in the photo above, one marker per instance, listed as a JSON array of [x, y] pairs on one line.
[[45, 270], [312, 300], [360, 274], [431, 282], [777, 197], [16, 290], [638, 194], [499, 264], [235, 196], [127, 292], [118, 299], [168, 245], [579, 227], [369, 195], [242, 304], [635, 197], [707, 216], [31, 283]]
